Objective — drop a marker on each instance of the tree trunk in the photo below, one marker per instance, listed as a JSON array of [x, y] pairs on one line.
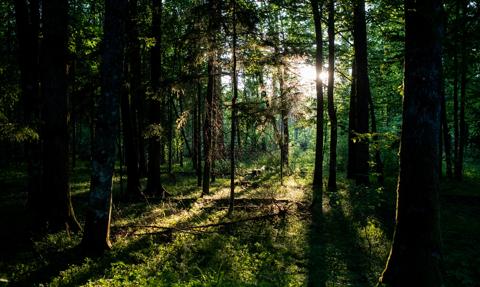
[[463, 83], [234, 110], [154, 184], [96, 238], [170, 132], [27, 29], [129, 102], [332, 175], [284, 118], [198, 133], [207, 135], [351, 168], [446, 135], [416, 255], [362, 89], [211, 69], [56, 186], [455, 114], [318, 169]]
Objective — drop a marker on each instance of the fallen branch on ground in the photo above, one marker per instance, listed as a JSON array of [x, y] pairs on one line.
[[281, 212]]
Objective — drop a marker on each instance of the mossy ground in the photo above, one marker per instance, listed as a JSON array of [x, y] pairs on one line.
[[346, 245]]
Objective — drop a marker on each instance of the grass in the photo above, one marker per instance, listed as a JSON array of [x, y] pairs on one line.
[[346, 245]]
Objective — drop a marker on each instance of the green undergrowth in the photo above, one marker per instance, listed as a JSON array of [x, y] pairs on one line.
[[272, 239]]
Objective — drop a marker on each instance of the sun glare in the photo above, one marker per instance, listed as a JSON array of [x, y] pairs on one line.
[[307, 73]]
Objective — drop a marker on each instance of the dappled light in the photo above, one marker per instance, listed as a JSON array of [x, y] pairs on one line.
[[239, 143]]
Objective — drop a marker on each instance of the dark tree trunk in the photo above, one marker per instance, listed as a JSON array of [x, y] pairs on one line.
[[455, 114], [211, 69], [154, 184], [96, 238], [56, 187], [129, 100], [362, 89], [170, 132], [284, 119], [27, 28], [416, 255], [446, 136], [463, 84], [234, 111], [198, 133], [318, 169], [207, 130], [332, 114], [351, 168]]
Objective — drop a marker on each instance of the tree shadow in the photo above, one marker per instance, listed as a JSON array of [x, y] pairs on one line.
[[316, 239]]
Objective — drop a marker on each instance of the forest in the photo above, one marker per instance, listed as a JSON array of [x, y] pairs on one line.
[[240, 143]]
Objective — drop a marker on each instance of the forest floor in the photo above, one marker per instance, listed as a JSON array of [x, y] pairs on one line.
[[272, 239]]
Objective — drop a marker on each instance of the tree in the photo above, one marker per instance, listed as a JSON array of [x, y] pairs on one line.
[[154, 183], [55, 178], [129, 102], [27, 28], [362, 94], [210, 96], [234, 109], [416, 255], [96, 237], [332, 174], [318, 169]]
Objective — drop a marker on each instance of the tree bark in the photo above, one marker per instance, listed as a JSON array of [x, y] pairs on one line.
[[55, 179], [362, 89], [318, 169], [198, 133], [234, 110], [211, 69], [96, 238], [446, 135], [416, 255], [332, 114], [463, 83], [27, 29], [154, 183], [128, 101], [351, 168], [455, 114], [207, 135]]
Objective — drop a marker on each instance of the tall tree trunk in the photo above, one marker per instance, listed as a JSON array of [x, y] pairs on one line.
[[332, 114], [154, 184], [96, 238], [129, 102], [284, 118], [362, 89], [351, 167], [446, 135], [234, 110], [463, 83], [170, 132], [318, 169], [455, 114], [207, 135], [211, 70], [416, 255], [56, 187], [198, 132], [27, 29]]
